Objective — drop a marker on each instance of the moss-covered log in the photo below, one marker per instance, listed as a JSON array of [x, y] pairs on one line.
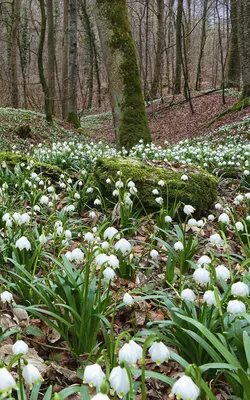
[[125, 87], [200, 190]]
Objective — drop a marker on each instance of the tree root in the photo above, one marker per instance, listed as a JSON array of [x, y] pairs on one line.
[[240, 105]]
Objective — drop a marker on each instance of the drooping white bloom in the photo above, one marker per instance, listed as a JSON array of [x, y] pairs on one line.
[[168, 219], [201, 275], [115, 193], [200, 223], [240, 289], [161, 183], [222, 272], [93, 375], [108, 180], [6, 297], [7, 382], [238, 199], [68, 234], [204, 260], [109, 273], [92, 215], [70, 208], [6, 217], [188, 209], [123, 245], [218, 206], [192, 222], [89, 237], [100, 396], [101, 258], [159, 200], [184, 177], [239, 226], [23, 243], [20, 347], [69, 256], [97, 202], [185, 389], [110, 232], [44, 199], [90, 190], [42, 238], [224, 218], [77, 255], [105, 245], [119, 381], [77, 196], [155, 192], [211, 217], [113, 261], [130, 352], [128, 299], [178, 246], [159, 352], [209, 298], [188, 295], [154, 254], [216, 239], [236, 307], [36, 208], [31, 374]]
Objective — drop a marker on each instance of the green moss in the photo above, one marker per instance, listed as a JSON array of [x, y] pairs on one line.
[[200, 190], [133, 122], [73, 119]]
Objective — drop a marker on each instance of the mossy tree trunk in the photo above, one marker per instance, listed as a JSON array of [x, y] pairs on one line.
[[178, 48], [51, 53], [233, 62], [125, 86], [244, 43], [65, 59]]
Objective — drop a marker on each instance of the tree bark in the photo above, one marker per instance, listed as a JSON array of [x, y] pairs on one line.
[[233, 62], [65, 59], [125, 87], [51, 54], [16, 6], [202, 45], [178, 48], [243, 36]]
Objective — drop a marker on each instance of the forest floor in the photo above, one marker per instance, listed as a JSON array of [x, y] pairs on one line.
[[172, 119]]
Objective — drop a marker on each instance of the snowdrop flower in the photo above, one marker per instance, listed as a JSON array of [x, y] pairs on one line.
[[184, 177], [23, 243], [77, 255], [130, 352], [200, 223], [108, 180], [119, 381], [119, 184], [31, 375], [123, 245], [100, 396], [101, 258], [17, 218], [36, 208], [238, 199], [6, 217], [222, 272], [90, 190], [246, 172], [89, 237], [20, 347], [59, 230], [159, 352], [113, 261], [6, 297], [68, 234], [77, 196], [70, 208], [93, 375], [218, 206], [92, 215], [44, 199], [185, 389], [224, 218], [42, 238], [247, 196], [188, 295], [239, 226], [115, 193], [105, 245], [128, 299], [155, 192], [69, 256], [216, 239], [110, 232], [201, 275], [204, 260], [178, 246], [240, 289], [236, 307], [109, 273], [209, 298], [154, 254], [161, 183], [192, 222], [97, 202], [7, 382], [159, 200], [211, 217], [168, 219], [188, 209]]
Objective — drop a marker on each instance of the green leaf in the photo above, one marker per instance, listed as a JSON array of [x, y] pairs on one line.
[[34, 331], [245, 381], [246, 341], [74, 389], [155, 375]]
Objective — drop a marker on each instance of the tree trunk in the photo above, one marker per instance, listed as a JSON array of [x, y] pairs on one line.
[[243, 36], [129, 114], [233, 62], [65, 59], [72, 107], [158, 64], [43, 82], [202, 45], [178, 48], [51, 54], [16, 6]]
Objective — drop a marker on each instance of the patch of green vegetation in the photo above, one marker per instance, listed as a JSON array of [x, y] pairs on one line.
[[93, 122]]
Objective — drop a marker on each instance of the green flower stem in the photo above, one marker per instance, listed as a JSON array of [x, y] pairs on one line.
[[147, 342], [21, 388]]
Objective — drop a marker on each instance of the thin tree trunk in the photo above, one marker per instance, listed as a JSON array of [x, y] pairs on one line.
[[65, 59], [51, 54], [178, 48], [16, 6], [233, 62], [243, 36], [202, 45]]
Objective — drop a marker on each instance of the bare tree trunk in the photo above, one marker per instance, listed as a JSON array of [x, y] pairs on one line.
[[16, 6], [125, 86], [72, 107], [202, 45], [244, 35], [178, 48], [51, 54], [65, 59], [233, 62], [158, 64]]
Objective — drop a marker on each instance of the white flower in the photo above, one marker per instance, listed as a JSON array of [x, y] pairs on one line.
[[218, 206], [188, 209], [101, 258], [188, 295], [130, 352], [238, 199], [36, 208], [236, 307], [93, 375], [89, 237], [247, 196], [70, 208], [105, 245], [92, 215], [31, 374], [204, 260], [68, 255], [192, 222], [201, 275], [209, 298], [119, 381], [184, 177], [119, 184], [168, 219], [6, 217], [100, 396], [110, 232], [7, 382], [90, 190], [20, 347], [211, 217], [42, 238], [155, 192], [159, 352], [178, 246], [154, 254], [200, 223], [77, 196], [240, 289], [128, 299], [216, 239], [77, 255], [185, 389], [239, 226], [97, 202], [108, 180], [159, 200], [123, 245], [246, 172], [6, 297], [161, 183], [44, 199], [224, 218], [113, 261], [68, 234], [23, 243], [109, 273], [115, 193], [222, 272]]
